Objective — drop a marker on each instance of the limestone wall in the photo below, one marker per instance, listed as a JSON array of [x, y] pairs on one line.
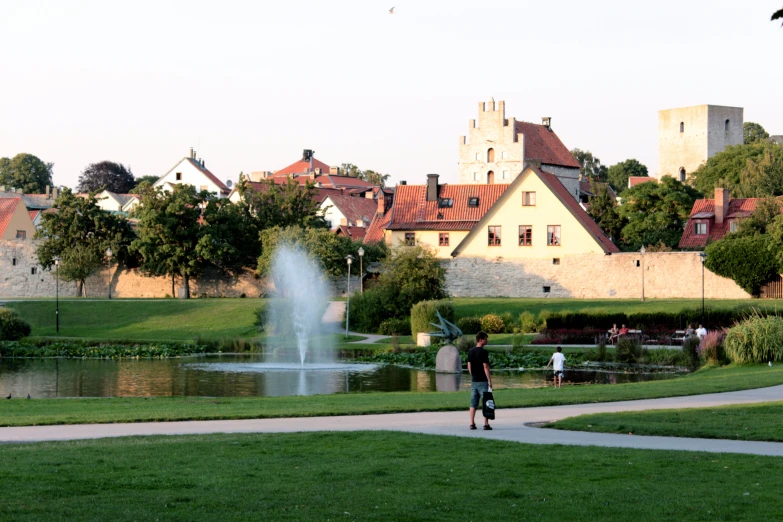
[[22, 276], [666, 275]]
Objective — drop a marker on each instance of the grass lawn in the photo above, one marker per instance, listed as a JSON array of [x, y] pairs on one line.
[[377, 476], [737, 422], [24, 412]]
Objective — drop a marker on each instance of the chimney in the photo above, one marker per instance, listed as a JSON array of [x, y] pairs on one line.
[[721, 204], [192, 153], [48, 191], [54, 192], [546, 121], [381, 203], [432, 187], [344, 222], [334, 170], [403, 182]]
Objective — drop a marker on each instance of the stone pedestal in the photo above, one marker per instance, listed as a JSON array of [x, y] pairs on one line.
[[448, 360], [447, 382], [423, 339]]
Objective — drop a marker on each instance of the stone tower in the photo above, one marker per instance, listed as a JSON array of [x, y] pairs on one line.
[[497, 149], [688, 136]]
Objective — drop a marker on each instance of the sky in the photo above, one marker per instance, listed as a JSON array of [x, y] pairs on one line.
[[250, 84]]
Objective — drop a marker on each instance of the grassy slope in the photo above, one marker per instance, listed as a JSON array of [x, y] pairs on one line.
[[739, 422], [24, 412], [377, 476]]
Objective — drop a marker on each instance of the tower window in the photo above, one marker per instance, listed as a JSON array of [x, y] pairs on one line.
[[547, 289], [503, 155], [490, 177], [726, 126], [33, 270], [491, 156], [478, 156], [682, 126], [475, 176], [13, 262], [682, 174]]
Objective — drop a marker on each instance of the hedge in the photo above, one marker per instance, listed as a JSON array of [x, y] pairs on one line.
[[749, 261], [657, 320], [423, 314]]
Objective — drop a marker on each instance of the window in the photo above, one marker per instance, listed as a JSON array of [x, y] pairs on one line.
[[700, 229], [503, 155], [494, 236], [525, 235], [733, 226], [682, 126], [682, 174], [443, 239], [478, 156], [179, 176], [13, 262], [473, 202], [445, 203], [490, 177], [21, 234], [505, 174], [555, 260], [475, 176], [547, 289], [33, 270], [553, 235], [726, 126], [528, 199], [491, 156], [410, 238]]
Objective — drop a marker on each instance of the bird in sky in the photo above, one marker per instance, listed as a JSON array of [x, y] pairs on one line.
[[391, 11]]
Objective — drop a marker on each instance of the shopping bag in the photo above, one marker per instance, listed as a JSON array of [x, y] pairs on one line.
[[488, 407]]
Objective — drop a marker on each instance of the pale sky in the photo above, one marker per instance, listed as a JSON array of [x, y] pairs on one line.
[[252, 83]]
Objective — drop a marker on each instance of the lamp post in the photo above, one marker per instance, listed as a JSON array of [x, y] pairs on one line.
[[703, 256], [643, 251], [349, 260], [108, 256], [361, 271], [57, 294]]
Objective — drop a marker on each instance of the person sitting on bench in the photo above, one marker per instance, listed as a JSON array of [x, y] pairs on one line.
[[623, 331], [613, 333]]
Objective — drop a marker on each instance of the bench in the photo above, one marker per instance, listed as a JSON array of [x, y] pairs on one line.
[[678, 337]]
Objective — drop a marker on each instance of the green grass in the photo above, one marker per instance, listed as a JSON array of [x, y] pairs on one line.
[[737, 422], [377, 476], [24, 412]]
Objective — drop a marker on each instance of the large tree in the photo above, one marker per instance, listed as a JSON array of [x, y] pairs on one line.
[[114, 177], [655, 213], [79, 234], [283, 205], [618, 174], [754, 132], [230, 236], [763, 176], [603, 209], [143, 181], [591, 165], [723, 169], [26, 172]]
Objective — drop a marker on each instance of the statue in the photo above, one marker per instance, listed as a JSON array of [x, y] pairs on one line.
[[448, 359], [448, 331]]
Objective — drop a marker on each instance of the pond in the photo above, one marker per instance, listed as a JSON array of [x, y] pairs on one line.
[[243, 376]]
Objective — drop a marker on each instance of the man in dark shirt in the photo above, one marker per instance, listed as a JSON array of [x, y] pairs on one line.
[[478, 366]]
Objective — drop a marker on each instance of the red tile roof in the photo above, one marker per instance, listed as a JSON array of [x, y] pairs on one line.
[[301, 167], [705, 209], [222, 186], [352, 232], [412, 211], [542, 144], [7, 209], [375, 231], [636, 180], [325, 180], [33, 214], [577, 211], [354, 208]]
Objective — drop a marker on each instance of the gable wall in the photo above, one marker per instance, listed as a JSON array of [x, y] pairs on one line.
[[20, 220], [190, 176]]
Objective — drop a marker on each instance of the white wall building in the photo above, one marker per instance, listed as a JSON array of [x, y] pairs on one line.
[[191, 171]]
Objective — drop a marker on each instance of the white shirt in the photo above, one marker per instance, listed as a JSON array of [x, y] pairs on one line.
[[701, 332], [558, 359]]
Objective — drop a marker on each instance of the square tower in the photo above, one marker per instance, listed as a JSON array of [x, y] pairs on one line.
[[688, 136]]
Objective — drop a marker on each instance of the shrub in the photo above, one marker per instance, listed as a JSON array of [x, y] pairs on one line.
[[395, 327], [746, 260], [424, 313], [711, 347], [517, 341], [509, 323], [12, 327], [369, 309], [260, 322], [469, 325], [690, 347], [465, 343], [629, 350], [755, 340], [527, 322], [492, 323]]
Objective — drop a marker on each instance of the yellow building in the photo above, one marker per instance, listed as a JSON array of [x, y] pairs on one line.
[[15, 220]]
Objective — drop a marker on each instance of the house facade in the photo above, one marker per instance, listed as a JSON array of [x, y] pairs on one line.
[[711, 219], [192, 171], [16, 221]]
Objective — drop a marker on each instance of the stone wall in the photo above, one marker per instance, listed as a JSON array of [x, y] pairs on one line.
[[665, 275], [22, 276]]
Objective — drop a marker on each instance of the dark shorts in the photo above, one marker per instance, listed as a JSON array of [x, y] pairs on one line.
[[476, 391], [559, 374]]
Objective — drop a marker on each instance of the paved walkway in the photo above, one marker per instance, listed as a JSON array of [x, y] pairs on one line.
[[511, 425]]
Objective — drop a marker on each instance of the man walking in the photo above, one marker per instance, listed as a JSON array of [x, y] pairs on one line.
[[478, 366]]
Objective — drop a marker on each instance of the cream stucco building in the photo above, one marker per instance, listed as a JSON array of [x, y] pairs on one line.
[[16, 222]]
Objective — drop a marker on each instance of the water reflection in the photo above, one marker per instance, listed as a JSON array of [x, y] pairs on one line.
[[200, 377]]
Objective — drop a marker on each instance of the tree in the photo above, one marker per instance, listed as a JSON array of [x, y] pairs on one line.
[[591, 166], [618, 174], [106, 175], [79, 234], [777, 15], [603, 209], [754, 132], [371, 176], [147, 181], [169, 233], [229, 239], [283, 205], [26, 172], [746, 260], [655, 213], [762, 217], [723, 169], [763, 176]]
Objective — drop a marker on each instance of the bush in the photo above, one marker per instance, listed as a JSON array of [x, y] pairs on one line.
[[582, 320], [12, 327], [492, 323], [711, 347], [260, 322], [469, 325], [508, 322], [369, 309], [424, 313], [629, 350], [756, 340], [465, 343], [395, 327], [746, 260], [690, 347], [527, 322]]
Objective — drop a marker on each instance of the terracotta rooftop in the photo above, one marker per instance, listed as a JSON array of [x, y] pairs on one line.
[[636, 180], [377, 227], [7, 209], [705, 209], [301, 167], [542, 144], [352, 232], [354, 208]]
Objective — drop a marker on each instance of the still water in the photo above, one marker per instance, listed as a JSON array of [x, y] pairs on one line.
[[238, 376]]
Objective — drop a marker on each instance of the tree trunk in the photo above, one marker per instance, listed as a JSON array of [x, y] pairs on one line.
[[173, 290], [82, 288], [187, 285]]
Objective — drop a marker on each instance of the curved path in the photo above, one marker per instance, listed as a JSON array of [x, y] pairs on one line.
[[511, 425]]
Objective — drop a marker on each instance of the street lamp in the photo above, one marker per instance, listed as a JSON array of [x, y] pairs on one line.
[[108, 256], [643, 251], [57, 294], [361, 271], [349, 260], [703, 256]]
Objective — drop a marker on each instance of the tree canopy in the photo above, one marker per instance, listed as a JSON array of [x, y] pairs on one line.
[[754, 132], [618, 174], [107, 175], [725, 169], [603, 209], [26, 172], [762, 217], [370, 176], [282, 205], [147, 181], [591, 165], [656, 213]]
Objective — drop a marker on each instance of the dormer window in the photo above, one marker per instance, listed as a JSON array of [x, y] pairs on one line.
[[700, 228], [733, 226], [445, 203], [473, 202]]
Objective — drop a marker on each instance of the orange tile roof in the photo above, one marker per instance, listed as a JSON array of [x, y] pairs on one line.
[[412, 211], [542, 144], [375, 231], [704, 209], [301, 166], [7, 209], [33, 214], [352, 232], [354, 208], [636, 180]]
